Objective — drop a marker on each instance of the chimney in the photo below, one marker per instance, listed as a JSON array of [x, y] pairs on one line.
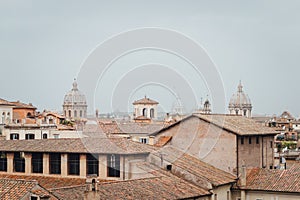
[[243, 176], [91, 183]]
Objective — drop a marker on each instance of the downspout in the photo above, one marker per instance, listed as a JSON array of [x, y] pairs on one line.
[[262, 152], [123, 167], [237, 157]]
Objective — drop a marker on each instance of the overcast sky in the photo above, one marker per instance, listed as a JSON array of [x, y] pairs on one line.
[[43, 45]]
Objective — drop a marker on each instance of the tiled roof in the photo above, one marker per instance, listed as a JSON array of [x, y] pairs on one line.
[[140, 128], [47, 182], [163, 185], [202, 173], [76, 145], [17, 189], [6, 103], [19, 104], [163, 140], [114, 127], [234, 123], [145, 100], [72, 192], [274, 179]]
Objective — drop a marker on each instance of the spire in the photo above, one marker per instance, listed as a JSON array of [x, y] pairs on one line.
[[74, 85], [240, 87]]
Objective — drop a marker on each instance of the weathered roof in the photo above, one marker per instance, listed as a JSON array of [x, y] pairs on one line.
[[18, 104], [236, 124], [127, 127], [145, 100], [163, 185], [5, 103], [139, 128], [18, 189], [274, 179], [187, 166], [76, 145], [46, 181]]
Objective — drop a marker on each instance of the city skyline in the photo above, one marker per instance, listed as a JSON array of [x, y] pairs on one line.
[[45, 46]]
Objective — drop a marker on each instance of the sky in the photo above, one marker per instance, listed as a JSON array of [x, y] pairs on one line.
[[44, 45]]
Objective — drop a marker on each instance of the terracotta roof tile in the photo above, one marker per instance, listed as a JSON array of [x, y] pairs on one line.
[[145, 100], [274, 179], [236, 124], [76, 145]]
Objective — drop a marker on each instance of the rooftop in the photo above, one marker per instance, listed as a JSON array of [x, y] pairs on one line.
[[145, 100], [234, 123], [76, 145], [274, 179]]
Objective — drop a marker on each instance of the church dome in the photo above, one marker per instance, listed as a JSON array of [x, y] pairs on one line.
[[75, 97], [240, 99]]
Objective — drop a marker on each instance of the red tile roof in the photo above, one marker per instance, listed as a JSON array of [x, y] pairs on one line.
[[77, 145], [17, 189], [145, 100], [187, 166], [233, 123], [163, 185], [274, 179]]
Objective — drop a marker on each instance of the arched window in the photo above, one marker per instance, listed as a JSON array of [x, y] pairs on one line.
[[236, 112], [75, 113], [245, 112], [70, 113], [80, 113], [152, 113], [45, 136], [145, 112], [65, 113], [28, 115]]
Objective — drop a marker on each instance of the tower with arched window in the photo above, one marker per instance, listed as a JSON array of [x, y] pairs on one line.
[[75, 106], [146, 108]]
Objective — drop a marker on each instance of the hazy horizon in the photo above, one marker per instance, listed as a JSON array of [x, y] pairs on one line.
[[44, 46]]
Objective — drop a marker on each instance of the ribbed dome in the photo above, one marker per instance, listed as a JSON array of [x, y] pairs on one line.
[[74, 97], [240, 99]]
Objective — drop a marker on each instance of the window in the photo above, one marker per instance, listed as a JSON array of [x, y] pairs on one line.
[[257, 140], [92, 164], [73, 164], [19, 162], [151, 113], [242, 140], [33, 198], [271, 144], [250, 140], [75, 113], [145, 112], [245, 112], [69, 113], [56, 136], [14, 136], [45, 136], [37, 163], [80, 113], [144, 140], [236, 112], [3, 162], [29, 136], [55, 163], [216, 197], [113, 165]]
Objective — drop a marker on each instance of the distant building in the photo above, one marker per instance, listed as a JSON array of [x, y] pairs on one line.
[[75, 105], [145, 107], [240, 103]]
